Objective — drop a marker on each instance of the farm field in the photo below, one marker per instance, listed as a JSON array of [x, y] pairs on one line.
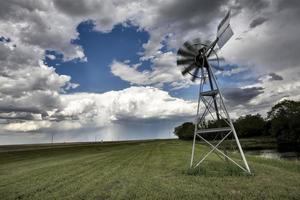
[[138, 170]]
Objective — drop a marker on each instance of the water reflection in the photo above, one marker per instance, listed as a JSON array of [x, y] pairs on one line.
[[274, 154]]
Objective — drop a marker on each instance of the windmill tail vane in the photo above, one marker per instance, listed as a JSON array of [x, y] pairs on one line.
[[213, 124]]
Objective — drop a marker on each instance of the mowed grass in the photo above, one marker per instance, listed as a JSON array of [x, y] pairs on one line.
[[139, 170]]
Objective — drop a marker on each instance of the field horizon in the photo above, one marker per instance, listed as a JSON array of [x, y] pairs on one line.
[[139, 170]]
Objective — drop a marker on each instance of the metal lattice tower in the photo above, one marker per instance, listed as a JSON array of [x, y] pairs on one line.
[[211, 107]]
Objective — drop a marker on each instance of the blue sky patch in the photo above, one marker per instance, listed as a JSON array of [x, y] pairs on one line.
[[122, 43]]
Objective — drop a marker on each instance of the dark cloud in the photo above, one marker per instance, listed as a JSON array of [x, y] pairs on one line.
[[13, 8], [257, 22], [76, 8], [24, 113], [254, 5], [19, 109], [19, 116], [191, 13], [291, 4], [60, 117], [4, 39], [241, 96], [285, 23], [275, 77]]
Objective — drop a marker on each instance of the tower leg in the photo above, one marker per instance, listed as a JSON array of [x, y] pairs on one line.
[[193, 148], [197, 117]]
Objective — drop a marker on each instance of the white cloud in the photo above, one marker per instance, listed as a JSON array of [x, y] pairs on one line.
[[163, 70], [100, 110], [261, 48], [129, 73], [51, 57], [131, 103], [26, 126]]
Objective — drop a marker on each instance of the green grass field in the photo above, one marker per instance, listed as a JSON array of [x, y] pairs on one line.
[[138, 170]]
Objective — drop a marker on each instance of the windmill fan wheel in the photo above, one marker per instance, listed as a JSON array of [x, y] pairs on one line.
[[193, 55]]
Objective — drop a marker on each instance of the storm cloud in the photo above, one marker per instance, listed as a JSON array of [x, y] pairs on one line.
[[275, 77], [257, 22], [238, 96]]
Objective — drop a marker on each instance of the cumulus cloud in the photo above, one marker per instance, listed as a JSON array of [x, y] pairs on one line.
[[133, 103], [30, 90], [163, 70], [100, 110], [26, 126]]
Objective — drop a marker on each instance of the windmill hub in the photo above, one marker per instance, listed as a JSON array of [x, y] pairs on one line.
[[199, 59]]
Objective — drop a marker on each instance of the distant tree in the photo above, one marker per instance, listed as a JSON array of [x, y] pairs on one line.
[[216, 123], [250, 125], [285, 124], [185, 131]]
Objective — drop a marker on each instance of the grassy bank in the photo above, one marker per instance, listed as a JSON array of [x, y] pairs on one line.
[[138, 170]]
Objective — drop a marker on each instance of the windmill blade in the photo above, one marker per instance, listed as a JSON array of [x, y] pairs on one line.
[[190, 47], [187, 69], [185, 61], [197, 43], [195, 74], [185, 53]]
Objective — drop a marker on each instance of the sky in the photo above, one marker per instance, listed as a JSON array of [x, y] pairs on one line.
[[106, 70]]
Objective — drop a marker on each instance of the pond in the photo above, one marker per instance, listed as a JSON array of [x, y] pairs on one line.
[[274, 154]]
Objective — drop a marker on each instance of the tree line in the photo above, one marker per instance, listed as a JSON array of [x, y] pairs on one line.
[[282, 122]]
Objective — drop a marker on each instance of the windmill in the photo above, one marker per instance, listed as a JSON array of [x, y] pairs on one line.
[[198, 60]]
